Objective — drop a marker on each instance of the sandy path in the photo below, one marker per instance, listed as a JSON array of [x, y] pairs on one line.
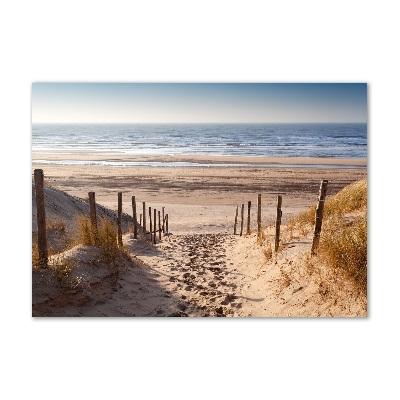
[[184, 275], [192, 268], [227, 275], [200, 275]]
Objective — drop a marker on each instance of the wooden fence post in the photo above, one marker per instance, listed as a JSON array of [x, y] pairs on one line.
[[248, 216], [159, 225], [259, 216], [144, 232], [163, 220], [318, 216], [166, 223], [241, 224], [135, 224], [120, 219], [140, 219], [155, 226], [41, 217], [93, 217], [278, 222], [236, 216], [151, 226]]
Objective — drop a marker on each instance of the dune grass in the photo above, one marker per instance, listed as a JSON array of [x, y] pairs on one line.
[[343, 243], [351, 198], [343, 248], [106, 237]]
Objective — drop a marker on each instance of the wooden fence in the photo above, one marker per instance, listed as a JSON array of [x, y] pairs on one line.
[[150, 235], [162, 223], [41, 217], [278, 220]]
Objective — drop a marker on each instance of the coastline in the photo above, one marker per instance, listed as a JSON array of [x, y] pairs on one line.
[[77, 155]]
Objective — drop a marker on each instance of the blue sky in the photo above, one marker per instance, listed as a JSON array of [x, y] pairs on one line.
[[198, 102]]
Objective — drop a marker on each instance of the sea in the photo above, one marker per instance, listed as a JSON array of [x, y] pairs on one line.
[[258, 140]]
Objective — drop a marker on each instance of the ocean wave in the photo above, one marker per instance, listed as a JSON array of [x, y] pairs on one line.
[[283, 140]]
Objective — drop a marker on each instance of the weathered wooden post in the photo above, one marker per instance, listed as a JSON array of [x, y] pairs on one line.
[[241, 224], [120, 219], [163, 220], [236, 216], [93, 217], [155, 226], [159, 225], [41, 217], [166, 223], [318, 216], [135, 224], [248, 216], [151, 226], [140, 219], [259, 217], [278, 222], [144, 233]]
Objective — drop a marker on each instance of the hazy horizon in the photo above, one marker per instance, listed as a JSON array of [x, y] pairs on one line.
[[198, 103], [195, 123]]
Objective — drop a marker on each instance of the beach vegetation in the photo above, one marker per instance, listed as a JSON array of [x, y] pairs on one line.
[[343, 242], [343, 248], [106, 236], [56, 225], [351, 198], [267, 251], [35, 253]]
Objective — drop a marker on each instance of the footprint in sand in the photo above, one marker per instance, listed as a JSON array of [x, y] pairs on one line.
[[226, 300]]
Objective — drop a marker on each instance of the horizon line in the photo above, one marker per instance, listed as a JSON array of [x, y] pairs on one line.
[[197, 123]]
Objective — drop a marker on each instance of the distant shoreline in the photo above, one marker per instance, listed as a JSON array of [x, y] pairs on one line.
[[82, 158]]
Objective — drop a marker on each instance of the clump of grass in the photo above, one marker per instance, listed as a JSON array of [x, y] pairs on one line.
[[85, 234], [56, 225], [284, 280], [343, 245], [108, 240], [268, 252], [305, 217], [35, 254], [351, 198], [106, 237], [343, 248], [265, 234], [36, 262]]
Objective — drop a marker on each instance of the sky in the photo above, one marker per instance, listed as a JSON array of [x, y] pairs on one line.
[[198, 102]]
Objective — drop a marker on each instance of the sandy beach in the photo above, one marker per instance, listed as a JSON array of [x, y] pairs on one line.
[[204, 199], [200, 268]]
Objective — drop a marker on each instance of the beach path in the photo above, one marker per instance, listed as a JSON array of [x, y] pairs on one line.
[[198, 275]]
